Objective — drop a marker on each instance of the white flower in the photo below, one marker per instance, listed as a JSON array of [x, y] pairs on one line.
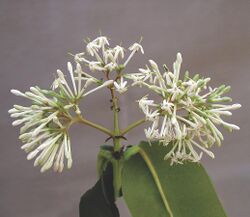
[[136, 47], [119, 52], [96, 66], [109, 56], [145, 103], [137, 79], [147, 74], [101, 41], [152, 132], [152, 115], [80, 58], [70, 69], [121, 86], [92, 48], [167, 106], [105, 84]]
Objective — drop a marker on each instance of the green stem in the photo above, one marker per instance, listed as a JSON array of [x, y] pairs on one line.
[[132, 126], [80, 119], [117, 164], [117, 174], [156, 179], [117, 144]]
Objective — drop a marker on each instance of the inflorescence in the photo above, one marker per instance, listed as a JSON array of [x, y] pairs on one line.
[[185, 119], [188, 113]]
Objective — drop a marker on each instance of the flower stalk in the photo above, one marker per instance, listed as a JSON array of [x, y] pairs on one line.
[[82, 120], [132, 126]]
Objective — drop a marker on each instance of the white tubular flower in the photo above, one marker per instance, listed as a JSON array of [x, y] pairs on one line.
[[121, 86], [152, 115], [145, 103], [118, 52], [80, 58], [188, 119], [105, 84], [101, 41], [70, 69], [136, 47], [167, 106], [152, 132], [92, 48], [146, 74], [109, 56], [96, 66], [137, 78]]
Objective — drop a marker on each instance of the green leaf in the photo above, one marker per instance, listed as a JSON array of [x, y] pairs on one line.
[[151, 187], [99, 201]]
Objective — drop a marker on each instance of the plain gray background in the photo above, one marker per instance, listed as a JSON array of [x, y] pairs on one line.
[[35, 36]]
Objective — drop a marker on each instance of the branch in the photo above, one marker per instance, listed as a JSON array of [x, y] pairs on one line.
[[80, 119], [132, 126]]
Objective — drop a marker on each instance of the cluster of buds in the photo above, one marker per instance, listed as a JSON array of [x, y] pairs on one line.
[[187, 116], [46, 121], [43, 132]]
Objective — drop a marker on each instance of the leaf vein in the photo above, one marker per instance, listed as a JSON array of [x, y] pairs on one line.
[[157, 180]]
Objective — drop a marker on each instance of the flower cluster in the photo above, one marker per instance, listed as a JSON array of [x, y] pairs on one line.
[[46, 121], [43, 132], [108, 59], [187, 116]]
